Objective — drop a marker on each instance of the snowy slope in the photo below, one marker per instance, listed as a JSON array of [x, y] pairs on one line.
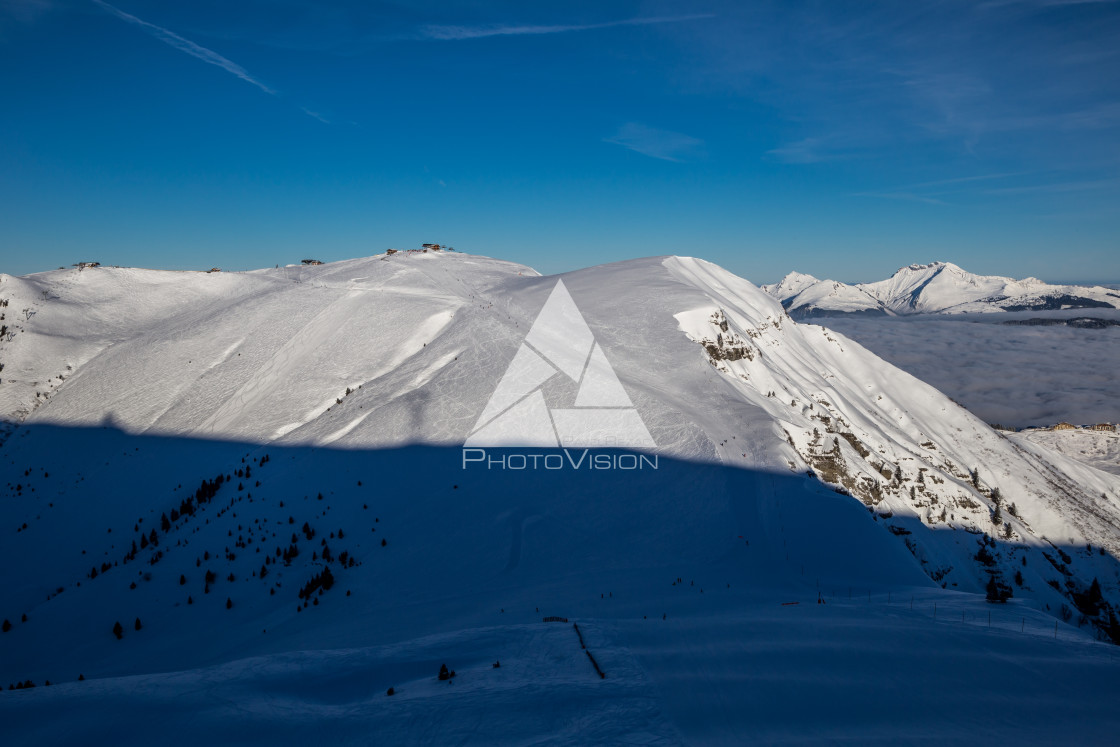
[[215, 353], [1100, 449], [792, 462], [790, 285], [935, 288], [829, 297], [844, 672]]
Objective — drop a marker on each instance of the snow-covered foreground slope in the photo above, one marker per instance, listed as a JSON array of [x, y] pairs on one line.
[[469, 571], [863, 673], [332, 402], [935, 288]]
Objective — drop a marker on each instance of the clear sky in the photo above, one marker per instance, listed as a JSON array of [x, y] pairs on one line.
[[843, 139]]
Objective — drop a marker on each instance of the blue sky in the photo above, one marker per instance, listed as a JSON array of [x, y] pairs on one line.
[[840, 139]]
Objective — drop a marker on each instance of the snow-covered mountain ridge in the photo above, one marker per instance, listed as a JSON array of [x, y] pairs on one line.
[[934, 288], [332, 402]]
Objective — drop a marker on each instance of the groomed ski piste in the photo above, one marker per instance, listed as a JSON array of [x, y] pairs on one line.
[[808, 561]]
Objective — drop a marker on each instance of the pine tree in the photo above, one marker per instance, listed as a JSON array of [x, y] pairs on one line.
[[1095, 593], [118, 631], [229, 603], [6, 626], [137, 625], [993, 594]]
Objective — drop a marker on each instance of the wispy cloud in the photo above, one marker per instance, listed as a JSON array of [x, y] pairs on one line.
[[965, 179], [314, 115], [904, 196], [186, 45], [663, 144], [958, 185], [889, 80], [808, 150], [448, 33], [1058, 187], [1042, 3], [921, 191]]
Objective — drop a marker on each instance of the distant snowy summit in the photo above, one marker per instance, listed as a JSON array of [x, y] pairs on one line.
[[934, 288]]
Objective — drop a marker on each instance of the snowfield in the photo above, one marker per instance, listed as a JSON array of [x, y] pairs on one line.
[[260, 477], [1100, 449]]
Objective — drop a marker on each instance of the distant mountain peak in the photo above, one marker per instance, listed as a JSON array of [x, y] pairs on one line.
[[927, 266], [936, 287]]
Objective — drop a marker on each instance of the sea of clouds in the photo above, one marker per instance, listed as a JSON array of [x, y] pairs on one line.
[[1012, 375]]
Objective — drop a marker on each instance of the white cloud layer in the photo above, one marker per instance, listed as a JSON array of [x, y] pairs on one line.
[[1013, 375]]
